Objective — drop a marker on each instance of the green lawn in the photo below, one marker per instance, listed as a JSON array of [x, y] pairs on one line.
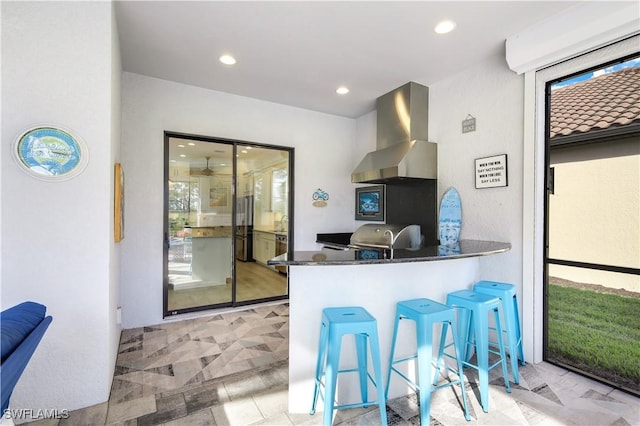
[[595, 332]]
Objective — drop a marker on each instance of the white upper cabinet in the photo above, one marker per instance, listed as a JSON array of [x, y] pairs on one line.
[[245, 184]]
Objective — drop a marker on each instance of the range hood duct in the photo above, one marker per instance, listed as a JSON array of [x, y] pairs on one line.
[[402, 150]]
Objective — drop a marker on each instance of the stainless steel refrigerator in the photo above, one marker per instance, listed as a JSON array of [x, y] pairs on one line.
[[244, 229]]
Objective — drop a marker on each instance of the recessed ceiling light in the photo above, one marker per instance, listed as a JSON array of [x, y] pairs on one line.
[[182, 155], [191, 144], [180, 146], [444, 27], [227, 59], [244, 151], [342, 90]]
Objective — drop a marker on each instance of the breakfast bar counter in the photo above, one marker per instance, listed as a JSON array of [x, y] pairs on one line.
[[464, 248], [375, 280]]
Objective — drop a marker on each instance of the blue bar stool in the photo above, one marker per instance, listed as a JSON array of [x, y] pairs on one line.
[[474, 319], [426, 313], [507, 294], [337, 322]]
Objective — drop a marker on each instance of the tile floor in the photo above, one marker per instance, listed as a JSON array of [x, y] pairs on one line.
[[232, 369]]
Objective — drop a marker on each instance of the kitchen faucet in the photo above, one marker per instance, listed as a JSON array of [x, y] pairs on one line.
[[391, 241], [282, 220]]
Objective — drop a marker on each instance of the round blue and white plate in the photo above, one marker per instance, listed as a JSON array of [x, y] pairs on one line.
[[50, 153]]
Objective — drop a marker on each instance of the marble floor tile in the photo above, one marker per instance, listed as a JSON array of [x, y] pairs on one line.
[[200, 418], [280, 419], [272, 402], [167, 409], [131, 409], [304, 419], [93, 415], [237, 412]]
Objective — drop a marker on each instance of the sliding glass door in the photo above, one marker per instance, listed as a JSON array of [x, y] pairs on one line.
[[227, 213], [266, 175], [199, 231], [592, 261]]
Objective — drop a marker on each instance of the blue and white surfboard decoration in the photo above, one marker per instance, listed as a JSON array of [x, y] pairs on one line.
[[450, 218]]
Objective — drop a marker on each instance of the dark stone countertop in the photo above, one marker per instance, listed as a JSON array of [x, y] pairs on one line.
[[338, 240], [464, 248]]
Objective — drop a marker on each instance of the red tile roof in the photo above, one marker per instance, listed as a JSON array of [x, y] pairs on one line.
[[604, 102]]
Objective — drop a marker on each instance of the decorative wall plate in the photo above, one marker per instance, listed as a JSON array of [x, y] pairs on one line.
[[50, 153]]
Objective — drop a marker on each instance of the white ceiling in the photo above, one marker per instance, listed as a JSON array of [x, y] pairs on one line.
[[195, 153], [297, 53]]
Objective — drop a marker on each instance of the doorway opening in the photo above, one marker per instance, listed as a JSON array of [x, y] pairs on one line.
[[592, 224], [227, 203]]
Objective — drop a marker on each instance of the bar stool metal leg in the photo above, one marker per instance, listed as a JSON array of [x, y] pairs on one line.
[[322, 345], [377, 368], [393, 351], [511, 319], [336, 323], [459, 356], [426, 313], [474, 321], [331, 374], [425, 353], [361, 348]]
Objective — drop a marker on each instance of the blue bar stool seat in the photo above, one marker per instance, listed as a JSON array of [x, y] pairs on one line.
[[336, 323], [511, 319], [426, 313], [473, 319]]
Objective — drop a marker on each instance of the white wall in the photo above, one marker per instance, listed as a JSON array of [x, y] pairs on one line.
[[116, 101], [324, 157], [492, 94], [57, 238]]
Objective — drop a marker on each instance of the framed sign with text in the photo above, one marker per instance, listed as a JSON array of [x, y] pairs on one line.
[[491, 172]]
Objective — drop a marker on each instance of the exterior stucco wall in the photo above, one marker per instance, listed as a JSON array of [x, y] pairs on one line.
[[594, 211]]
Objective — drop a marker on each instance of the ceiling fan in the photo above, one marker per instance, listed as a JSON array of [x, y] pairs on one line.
[[207, 171]]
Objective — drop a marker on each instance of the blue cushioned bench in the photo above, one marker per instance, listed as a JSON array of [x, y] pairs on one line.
[[21, 329]]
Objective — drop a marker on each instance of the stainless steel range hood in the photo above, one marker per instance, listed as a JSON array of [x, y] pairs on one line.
[[403, 151]]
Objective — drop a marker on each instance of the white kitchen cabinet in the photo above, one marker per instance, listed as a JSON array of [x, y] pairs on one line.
[[279, 190], [245, 184], [262, 213], [212, 260], [264, 247], [179, 171], [262, 190], [271, 187]]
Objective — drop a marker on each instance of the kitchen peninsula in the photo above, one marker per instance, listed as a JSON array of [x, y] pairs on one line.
[[375, 280], [211, 251]]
